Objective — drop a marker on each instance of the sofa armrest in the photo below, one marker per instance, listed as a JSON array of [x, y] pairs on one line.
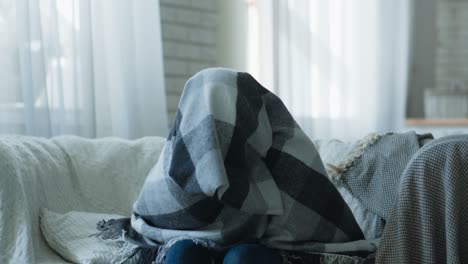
[[64, 174]]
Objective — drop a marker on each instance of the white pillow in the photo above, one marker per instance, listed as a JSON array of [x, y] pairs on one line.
[[71, 236]]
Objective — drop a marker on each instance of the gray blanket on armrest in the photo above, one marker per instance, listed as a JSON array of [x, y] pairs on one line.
[[420, 193], [428, 223]]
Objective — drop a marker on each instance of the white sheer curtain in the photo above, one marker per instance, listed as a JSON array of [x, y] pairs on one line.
[[83, 67], [340, 66]]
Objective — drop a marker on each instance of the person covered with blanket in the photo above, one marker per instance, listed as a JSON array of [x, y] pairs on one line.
[[238, 181]]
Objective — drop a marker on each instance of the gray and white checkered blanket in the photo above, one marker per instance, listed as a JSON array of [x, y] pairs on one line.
[[428, 223], [237, 168]]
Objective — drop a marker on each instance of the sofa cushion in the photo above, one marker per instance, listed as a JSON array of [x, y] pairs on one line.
[[71, 236]]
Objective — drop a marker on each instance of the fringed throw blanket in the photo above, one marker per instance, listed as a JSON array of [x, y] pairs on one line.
[[372, 172], [235, 168], [428, 223], [374, 178]]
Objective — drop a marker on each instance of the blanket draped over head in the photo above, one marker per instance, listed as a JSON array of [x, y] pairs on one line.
[[236, 167]]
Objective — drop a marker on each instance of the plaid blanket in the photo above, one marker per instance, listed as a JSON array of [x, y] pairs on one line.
[[428, 221], [236, 167]]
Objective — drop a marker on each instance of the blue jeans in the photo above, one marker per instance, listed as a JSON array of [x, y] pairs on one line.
[[186, 252]]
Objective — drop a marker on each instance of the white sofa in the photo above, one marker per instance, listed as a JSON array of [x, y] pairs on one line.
[[70, 173], [64, 174]]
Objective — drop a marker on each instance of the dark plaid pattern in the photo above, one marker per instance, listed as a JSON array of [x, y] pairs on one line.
[[237, 168], [428, 223]]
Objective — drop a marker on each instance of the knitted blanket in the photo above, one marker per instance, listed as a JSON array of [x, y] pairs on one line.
[[236, 167], [428, 221]]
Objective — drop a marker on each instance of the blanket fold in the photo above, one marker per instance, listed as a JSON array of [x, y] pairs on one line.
[[371, 174], [374, 177], [236, 167]]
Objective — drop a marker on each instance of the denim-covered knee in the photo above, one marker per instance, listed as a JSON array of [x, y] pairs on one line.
[[187, 251], [252, 253]]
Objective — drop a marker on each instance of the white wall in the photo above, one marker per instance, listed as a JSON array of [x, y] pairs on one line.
[[189, 30], [439, 48], [422, 55], [232, 34], [452, 43], [198, 34]]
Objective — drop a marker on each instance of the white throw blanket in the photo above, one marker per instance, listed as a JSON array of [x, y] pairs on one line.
[[64, 174]]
